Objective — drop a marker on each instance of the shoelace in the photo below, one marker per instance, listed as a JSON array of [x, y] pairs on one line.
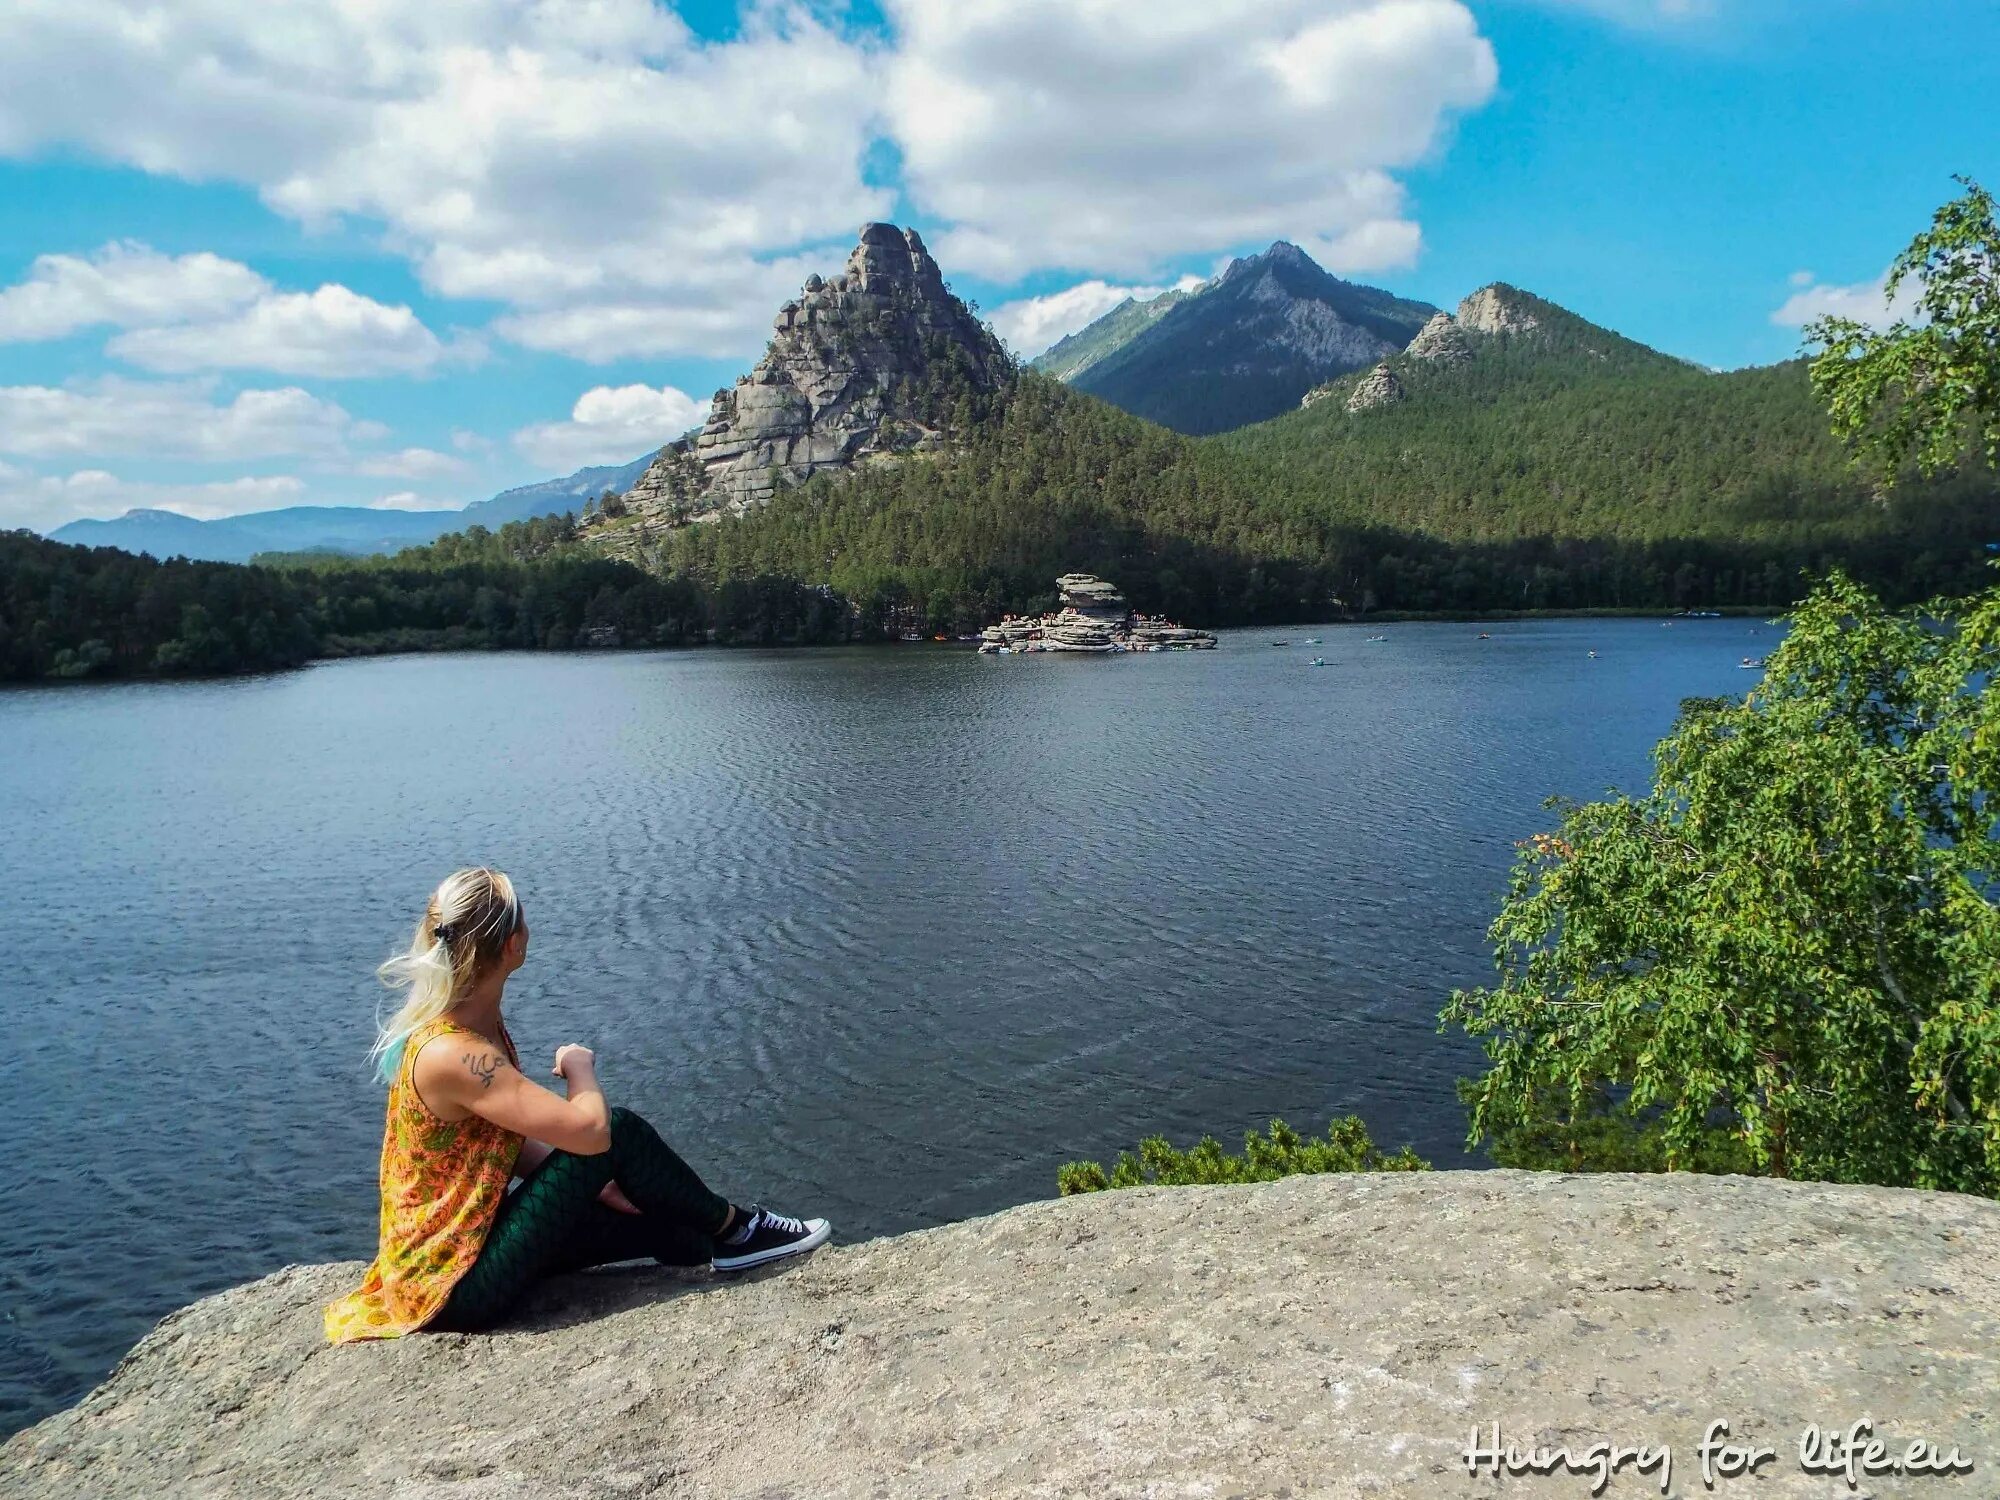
[[779, 1222]]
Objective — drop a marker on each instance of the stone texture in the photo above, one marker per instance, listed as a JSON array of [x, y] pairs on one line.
[[1441, 342], [1492, 309], [1330, 1336], [827, 394], [1379, 387], [1095, 618]]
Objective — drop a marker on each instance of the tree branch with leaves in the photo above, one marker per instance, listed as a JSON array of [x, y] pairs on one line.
[[1925, 390]]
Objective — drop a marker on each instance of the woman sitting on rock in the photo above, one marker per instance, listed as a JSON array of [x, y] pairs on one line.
[[458, 1249]]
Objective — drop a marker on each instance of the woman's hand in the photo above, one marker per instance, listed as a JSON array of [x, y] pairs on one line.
[[613, 1196], [574, 1059]]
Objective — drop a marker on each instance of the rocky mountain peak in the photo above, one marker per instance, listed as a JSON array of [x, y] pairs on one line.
[[1440, 340], [1495, 309], [839, 384], [1379, 387]]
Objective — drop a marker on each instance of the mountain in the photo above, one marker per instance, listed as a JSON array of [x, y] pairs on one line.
[[1514, 456], [879, 363], [551, 497], [1242, 347], [296, 528], [1076, 352], [1517, 418], [355, 529]]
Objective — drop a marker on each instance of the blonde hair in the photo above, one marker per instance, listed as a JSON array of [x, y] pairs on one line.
[[467, 921]]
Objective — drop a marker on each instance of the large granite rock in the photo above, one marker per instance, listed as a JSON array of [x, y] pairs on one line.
[[1328, 1336], [1495, 309], [1440, 341], [1379, 387], [1094, 618], [835, 388]]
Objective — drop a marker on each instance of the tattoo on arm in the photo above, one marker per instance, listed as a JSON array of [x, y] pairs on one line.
[[482, 1068]]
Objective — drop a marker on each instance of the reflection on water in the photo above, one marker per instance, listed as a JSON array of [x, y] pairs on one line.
[[881, 934]]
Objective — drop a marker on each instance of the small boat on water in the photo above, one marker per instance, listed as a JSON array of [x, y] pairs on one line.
[[1312, 640], [1317, 661], [1593, 656], [913, 635], [1378, 638], [1281, 643], [1485, 635], [1750, 662]]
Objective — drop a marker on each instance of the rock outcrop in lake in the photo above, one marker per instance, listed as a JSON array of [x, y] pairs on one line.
[[1320, 1336], [1094, 618], [840, 384]]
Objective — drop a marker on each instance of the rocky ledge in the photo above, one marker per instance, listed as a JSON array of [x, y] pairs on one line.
[[1322, 1336]]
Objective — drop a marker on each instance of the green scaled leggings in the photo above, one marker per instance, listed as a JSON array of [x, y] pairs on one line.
[[553, 1222]]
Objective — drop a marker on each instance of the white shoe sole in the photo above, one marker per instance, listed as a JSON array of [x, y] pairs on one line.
[[812, 1241]]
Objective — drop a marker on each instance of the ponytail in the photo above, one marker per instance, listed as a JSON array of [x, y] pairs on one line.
[[466, 922]]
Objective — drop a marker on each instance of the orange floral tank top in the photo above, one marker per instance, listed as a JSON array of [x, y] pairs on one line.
[[442, 1184]]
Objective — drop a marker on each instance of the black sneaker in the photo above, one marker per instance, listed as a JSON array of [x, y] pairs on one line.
[[767, 1237]]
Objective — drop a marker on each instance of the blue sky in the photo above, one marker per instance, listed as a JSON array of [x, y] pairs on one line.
[[254, 256]]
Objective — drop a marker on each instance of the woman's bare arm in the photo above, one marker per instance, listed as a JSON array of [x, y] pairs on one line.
[[465, 1077]]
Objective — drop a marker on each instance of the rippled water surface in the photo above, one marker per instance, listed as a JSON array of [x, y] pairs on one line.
[[881, 934]]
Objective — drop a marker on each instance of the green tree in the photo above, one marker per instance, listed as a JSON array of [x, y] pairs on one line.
[[1283, 1153], [1792, 942], [1923, 390]]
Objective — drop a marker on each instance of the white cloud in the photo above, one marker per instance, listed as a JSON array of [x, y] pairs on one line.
[[202, 312], [611, 424], [332, 332], [1378, 245], [1090, 135], [412, 463], [46, 501], [622, 187], [411, 500], [543, 153], [716, 309], [1864, 301], [172, 419], [1031, 324], [124, 284]]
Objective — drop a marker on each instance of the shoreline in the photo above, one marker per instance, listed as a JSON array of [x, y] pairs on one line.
[[1376, 617]]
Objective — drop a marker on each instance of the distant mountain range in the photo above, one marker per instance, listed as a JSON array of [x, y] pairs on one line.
[[1238, 349], [1514, 456], [355, 529]]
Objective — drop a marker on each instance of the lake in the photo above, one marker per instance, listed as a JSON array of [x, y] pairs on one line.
[[885, 934]]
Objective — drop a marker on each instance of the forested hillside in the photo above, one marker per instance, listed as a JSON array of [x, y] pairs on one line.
[[1555, 467], [1569, 430], [74, 612], [1281, 524]]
